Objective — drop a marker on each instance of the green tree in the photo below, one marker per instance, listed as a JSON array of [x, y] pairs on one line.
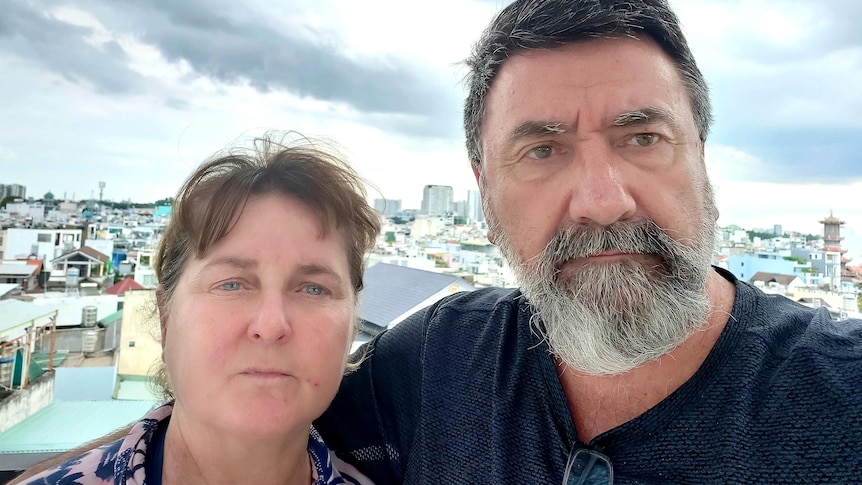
[[761, 235], [6, 200]]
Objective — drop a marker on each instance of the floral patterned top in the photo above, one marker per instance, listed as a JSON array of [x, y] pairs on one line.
[[122, 462]]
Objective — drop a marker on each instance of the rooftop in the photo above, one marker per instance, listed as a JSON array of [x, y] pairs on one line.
[[17, 269], [14, 313], [391, 290], [124, 285], [8, 287], [63, 425]]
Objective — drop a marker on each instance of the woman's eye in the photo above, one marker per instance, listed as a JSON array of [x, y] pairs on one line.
[[314, 290], [643, 139], [540, 152], [230, 286]]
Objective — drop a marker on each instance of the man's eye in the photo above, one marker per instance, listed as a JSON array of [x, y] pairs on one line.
[[314, 290], [643, 139], [230, 286], [540, 152]]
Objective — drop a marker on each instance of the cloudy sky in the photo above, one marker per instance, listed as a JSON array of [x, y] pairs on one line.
[[136, 94]]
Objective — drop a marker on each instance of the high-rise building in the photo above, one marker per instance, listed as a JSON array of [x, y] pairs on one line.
[[13, 190], [460, 208], [388, 207], [474, 207], [437, 200]]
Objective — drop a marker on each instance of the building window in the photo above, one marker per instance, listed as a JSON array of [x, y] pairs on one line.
[[43, 238], [131, 343]]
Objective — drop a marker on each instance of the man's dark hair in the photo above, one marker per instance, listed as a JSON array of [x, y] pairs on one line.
[[549, 24]]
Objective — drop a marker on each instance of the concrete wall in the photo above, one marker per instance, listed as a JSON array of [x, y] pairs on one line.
[[19, 243], [24, 403], [84, 383], [112, 335], [72, 339], [139, 347]]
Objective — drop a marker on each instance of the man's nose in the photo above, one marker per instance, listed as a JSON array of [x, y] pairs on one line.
[[600, 193], [270, 323]]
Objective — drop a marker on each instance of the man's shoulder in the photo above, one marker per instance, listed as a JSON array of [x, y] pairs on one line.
[[483, 300], [789, 326], [465, 313], [454, 322]]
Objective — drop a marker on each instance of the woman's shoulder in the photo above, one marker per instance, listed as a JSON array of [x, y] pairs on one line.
[[328, 469], [90, 468]]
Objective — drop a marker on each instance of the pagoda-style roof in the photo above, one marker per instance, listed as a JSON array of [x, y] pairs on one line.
[[832, 220]]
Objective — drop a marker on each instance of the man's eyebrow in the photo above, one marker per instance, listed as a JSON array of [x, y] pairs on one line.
[[533, 129], [647, 116]]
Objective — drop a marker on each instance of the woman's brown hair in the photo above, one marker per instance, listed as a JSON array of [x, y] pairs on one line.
[[208, 204]]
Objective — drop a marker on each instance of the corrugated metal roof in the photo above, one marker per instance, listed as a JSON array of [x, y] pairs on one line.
[[13, 313], [64, 425], [390, 290], [7, 287], [124, 285], [18, 269], [118, 315]]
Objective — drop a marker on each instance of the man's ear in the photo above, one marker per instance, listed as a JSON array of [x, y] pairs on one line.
[[477, 173]]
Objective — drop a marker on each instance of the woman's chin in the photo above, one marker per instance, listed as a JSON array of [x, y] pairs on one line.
[[265, 415]]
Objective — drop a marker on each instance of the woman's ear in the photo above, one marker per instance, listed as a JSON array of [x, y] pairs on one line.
[[162, 309]]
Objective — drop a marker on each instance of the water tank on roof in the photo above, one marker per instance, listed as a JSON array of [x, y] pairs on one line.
[[88, 344], [88, 316], [7, 364], [72, 278]]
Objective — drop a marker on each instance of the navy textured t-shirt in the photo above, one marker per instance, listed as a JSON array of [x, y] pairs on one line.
[[465, 392]]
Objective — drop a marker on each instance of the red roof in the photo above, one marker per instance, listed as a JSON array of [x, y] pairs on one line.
[[124, 285]]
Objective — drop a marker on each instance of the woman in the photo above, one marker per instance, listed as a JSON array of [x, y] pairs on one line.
[[259, 271]]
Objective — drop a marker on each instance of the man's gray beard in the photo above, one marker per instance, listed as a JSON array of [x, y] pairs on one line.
[[608, 318]]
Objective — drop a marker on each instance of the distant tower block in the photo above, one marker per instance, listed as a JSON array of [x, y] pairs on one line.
[[832, 232], [101, 191]]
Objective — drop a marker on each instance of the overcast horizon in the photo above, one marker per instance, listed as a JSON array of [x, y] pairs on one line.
[[138, 94]]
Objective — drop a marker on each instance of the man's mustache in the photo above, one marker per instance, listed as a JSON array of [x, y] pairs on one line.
[[640, 236]]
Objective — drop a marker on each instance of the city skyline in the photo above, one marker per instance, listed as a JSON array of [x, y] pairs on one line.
[[137, 96]]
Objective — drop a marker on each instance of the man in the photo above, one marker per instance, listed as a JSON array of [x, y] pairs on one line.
[[624, 355]]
